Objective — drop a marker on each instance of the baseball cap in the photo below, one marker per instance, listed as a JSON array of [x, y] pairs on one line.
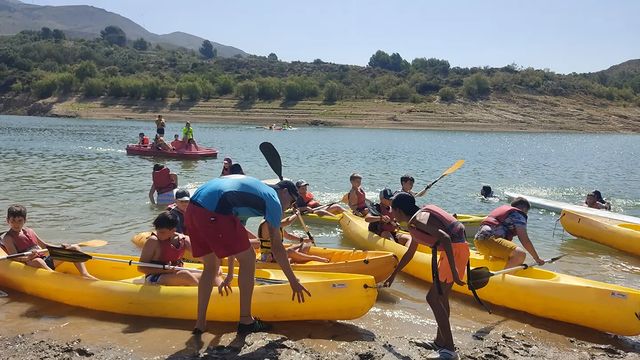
[[300, 183], [290, 186], [386, 193], [183, 194]]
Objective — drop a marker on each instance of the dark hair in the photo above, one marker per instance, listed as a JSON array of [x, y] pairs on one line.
[[16, 211], [165, 220], [598, 195], [486, 191], [405, 178], [141, 134], [289, 185], [521, 202], [355, 176], [405, 203], [236, 169], [158, 167]]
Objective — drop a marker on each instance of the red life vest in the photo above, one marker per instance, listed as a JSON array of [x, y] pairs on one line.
[[171, 255], [162, 181], [25, 240], [361, 199], [499, 215], [450, 224], [145, 140], [308, 200]]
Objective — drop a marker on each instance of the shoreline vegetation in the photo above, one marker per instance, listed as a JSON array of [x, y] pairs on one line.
[[43, 73]]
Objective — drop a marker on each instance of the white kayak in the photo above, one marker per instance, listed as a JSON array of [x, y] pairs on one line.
[[558, 206]]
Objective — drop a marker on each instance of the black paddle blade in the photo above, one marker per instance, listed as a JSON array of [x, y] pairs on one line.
[[273, 157], [479, 277], [62, 254]]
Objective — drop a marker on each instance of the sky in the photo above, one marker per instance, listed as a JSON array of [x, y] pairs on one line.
[[561, 35]]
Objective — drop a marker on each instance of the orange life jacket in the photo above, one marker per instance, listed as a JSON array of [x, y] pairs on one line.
[[162, 181]]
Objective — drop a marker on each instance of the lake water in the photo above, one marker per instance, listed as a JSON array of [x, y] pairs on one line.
[[78, 183]]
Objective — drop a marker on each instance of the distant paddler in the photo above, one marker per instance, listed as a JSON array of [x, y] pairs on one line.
[[306, 203], [187, 135], [495, 235], [595, 200]]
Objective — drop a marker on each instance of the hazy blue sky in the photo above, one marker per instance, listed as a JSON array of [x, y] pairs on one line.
[[564, 36]]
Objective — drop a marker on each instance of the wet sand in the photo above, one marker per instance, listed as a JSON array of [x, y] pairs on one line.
[[395, 328]]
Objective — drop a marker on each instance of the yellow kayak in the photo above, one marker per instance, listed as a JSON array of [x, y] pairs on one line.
[[379, 264], [614, 233], [597, 305], [121, 290]]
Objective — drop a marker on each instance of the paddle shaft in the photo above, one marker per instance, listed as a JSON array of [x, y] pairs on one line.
[[26, 253], [450, 170], [169, 267], [524, 266], [304, 226]]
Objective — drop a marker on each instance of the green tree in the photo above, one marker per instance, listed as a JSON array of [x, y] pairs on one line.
[[207, 89], [476, 86], [84, 70], [65, 83], [58, 35], [400, 93], [380, 60], [93, 88], [247, 90], [46, 33], [432, 66], [114, 36], [447, 94], [224, 85], [269, 88], [116, 87], [332, 92], [153, 89], [272, 57], [45, 87], [207, 51], [141, 44]]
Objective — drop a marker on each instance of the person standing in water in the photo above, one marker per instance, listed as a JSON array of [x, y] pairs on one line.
[[595, 200], [226, 166], [434, 227], [164, 182]]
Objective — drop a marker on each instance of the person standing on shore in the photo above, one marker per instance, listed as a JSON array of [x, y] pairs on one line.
[[214, 218], [434, 227], [160, 125]]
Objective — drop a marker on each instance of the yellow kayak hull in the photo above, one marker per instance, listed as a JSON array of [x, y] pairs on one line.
[[121, 290], [614, 233], [597, 305], [379, 264]]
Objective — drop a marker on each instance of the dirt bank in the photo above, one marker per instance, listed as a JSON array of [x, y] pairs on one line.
[[501, 113]]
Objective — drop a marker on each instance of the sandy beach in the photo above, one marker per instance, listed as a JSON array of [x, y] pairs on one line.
[[395, 328], [501, 113]]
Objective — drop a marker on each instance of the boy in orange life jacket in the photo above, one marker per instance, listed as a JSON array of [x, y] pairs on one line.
[[166, 247], [356, 197], [438, 229], [21, 239], [164, 181], [307, 203], [495, 235]]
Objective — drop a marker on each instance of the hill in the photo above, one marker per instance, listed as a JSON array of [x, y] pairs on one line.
[[86, 22]]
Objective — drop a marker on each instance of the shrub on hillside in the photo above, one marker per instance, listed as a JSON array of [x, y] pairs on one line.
[[190, 89], [400, 93], [65, 83], [116, 87], [269, 88], [93, 88], [153, 89], [332, 92], [85, 70], [247, 90], [224, 85], [476, 86], [447, 94], [44, 87]]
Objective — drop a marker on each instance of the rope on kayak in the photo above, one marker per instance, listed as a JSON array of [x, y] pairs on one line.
[[553, 235]]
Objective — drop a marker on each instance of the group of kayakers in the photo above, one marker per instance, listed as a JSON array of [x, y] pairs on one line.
[[159, 141]]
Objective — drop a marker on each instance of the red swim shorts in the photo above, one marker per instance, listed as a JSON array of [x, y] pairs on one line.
[[210, 232]]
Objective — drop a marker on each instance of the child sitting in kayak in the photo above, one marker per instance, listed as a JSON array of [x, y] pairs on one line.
[[307, 203], [298, 253], [595, 200], [161, 144], [357, 197], [407, 181], [20, 239], [143, 139], [381, 220], [166, 247]]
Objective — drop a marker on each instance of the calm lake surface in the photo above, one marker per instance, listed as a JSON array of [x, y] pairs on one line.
[[78, 183]]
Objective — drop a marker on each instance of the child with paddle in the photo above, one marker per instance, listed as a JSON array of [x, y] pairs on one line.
[[407, 181], [381, 220], [21, 239], [307, 203], [434, 227], [166, 247]]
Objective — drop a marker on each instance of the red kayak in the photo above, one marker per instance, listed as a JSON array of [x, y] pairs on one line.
[[185, 152]]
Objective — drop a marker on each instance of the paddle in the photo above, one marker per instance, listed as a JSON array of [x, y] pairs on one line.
[[26, 253], [450, 170], [90, 243], [479, 277], [304, 226], [93, 243], [273, 157], [275, 162], [75, 256]]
